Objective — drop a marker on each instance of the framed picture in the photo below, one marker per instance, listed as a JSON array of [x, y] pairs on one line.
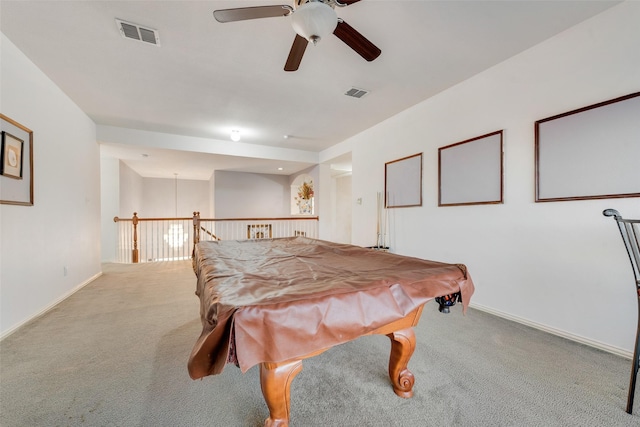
[[11, 156], [471, 172], [589, 153], [16, 163], [259, 231], [403, 182]]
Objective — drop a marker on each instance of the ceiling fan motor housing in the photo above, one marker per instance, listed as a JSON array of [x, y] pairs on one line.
[[314, 20]]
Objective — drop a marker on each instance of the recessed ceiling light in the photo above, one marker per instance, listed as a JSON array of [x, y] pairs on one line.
[[235, 135], [280, 169], [286, 137]]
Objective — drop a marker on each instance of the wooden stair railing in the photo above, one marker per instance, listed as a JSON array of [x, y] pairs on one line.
[[213, 236], [135, 222], [144, 241], [197, 228]]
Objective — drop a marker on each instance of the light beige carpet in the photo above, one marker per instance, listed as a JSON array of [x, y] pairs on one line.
[[115, 354]]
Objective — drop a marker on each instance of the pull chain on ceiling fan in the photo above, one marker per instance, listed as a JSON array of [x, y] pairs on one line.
[[311, 20]]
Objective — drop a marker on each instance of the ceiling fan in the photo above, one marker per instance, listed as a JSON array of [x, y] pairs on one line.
[[311, 20]]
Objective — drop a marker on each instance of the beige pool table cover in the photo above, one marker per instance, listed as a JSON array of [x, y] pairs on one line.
[[273, 300]]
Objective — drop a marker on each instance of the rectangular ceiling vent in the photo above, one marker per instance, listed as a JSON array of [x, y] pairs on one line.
[[137, 32], [354, 92]]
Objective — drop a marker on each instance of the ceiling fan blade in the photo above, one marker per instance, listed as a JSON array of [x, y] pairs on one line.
[[296, 53], [244, 13], [356, 41]]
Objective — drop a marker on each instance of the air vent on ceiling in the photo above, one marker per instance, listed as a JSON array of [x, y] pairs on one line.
[[136, 32], [356, 93]]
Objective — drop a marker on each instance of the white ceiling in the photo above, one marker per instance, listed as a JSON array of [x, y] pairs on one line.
[[207, 78]]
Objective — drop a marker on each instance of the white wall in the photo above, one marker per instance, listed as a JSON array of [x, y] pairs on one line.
[[342, 208], [251, 195], [62, 230], [167, 198], [326, 203], [131, 192], [158, 197], [212, 200], [559, 265], [110, 206]]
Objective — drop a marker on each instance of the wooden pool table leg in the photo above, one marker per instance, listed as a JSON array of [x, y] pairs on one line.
[[275, 381], [403, 342]]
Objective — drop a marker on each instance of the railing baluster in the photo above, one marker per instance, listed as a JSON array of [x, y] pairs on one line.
[[163, 246], [168, 243], [128, 243], [144, 226], [134, 254]]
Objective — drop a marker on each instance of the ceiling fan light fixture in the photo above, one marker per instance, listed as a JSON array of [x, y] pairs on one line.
[[314, 20]]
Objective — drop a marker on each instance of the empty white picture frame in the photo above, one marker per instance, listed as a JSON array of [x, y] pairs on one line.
[[470, 172], [403, 182], [590, 153]]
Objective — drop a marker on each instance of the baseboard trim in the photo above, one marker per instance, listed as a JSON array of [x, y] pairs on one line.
[[50, 306], [558, 332]]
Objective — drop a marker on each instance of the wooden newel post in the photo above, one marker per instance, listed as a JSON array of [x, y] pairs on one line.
[[134, 253], [196, 232]]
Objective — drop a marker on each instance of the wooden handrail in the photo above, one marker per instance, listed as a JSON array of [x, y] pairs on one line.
[[316, 218], [209, 233], [263, 219], [117, 219]]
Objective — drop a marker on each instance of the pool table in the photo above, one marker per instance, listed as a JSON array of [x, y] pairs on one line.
[[276, 302]]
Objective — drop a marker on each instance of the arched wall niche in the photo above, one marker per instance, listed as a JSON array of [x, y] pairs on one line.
[[299, 206]]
